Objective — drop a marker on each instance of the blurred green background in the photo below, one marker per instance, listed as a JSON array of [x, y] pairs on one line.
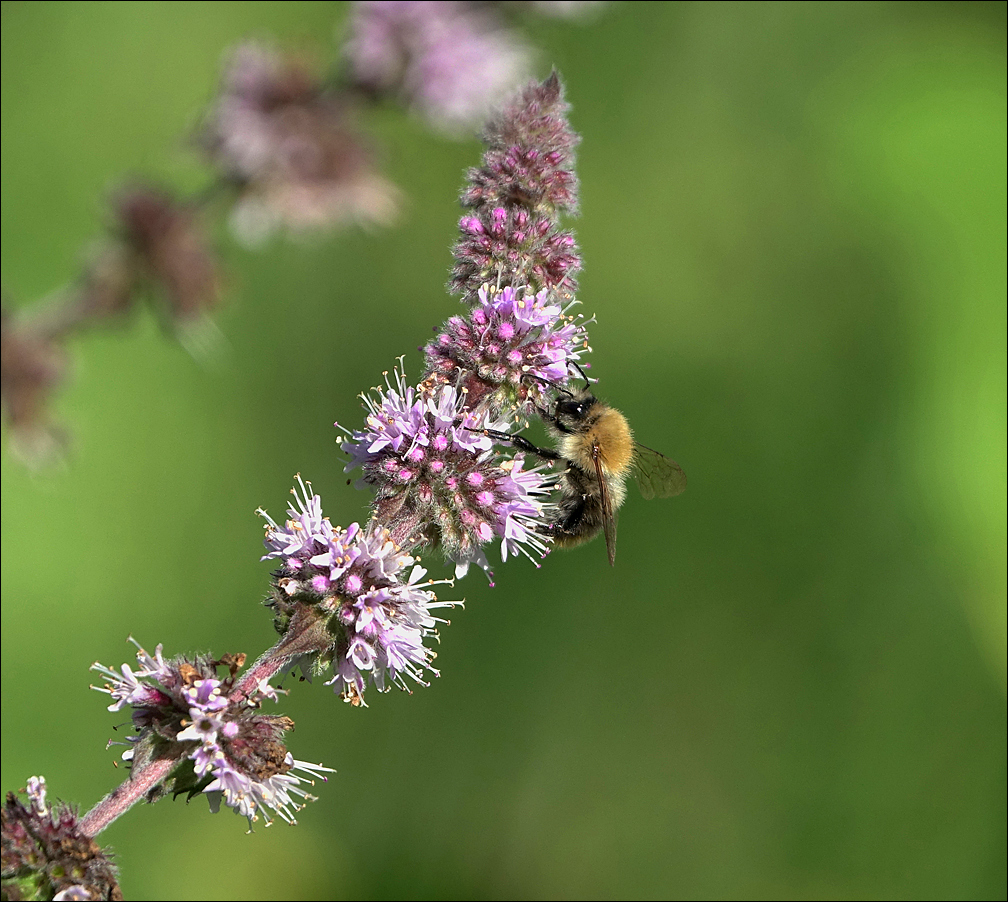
[[793, 681]]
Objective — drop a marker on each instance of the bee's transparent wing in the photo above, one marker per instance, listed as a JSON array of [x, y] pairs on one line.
[[608, 517], [657, 475]]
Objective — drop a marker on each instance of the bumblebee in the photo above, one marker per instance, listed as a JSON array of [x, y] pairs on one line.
[[596, 445]]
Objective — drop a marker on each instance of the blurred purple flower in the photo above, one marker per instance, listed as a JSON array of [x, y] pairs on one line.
[[449, 62], [287, 144], [159, 246], [32, 367], [168, 251]]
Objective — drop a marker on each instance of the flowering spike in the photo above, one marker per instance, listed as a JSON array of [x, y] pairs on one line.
[[438, 480], [237, 754], [360, 590], [511, 234], [512, 344]]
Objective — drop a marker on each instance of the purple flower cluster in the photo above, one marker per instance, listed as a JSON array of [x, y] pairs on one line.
[[511, 234], [237, 753], [289, 147], [449, 62], [512, 343], [518, 245], [438, 480], [46, 855], [367, 592]]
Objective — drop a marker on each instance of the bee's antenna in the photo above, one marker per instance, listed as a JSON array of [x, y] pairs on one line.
[[577, 366], [550, 383]]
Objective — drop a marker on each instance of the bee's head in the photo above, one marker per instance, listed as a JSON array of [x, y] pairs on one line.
[[572, 412]]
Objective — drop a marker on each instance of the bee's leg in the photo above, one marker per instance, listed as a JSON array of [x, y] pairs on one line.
[[522, 444]]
